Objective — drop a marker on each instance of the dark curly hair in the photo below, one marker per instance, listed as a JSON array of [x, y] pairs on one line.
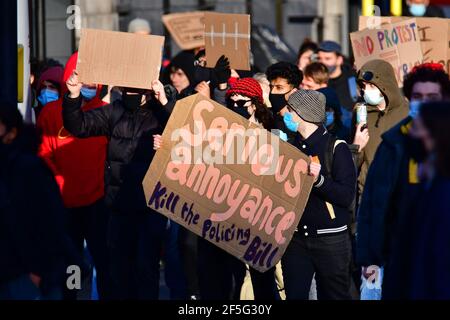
[[427, 72], [263, 115], [436, 117], [285, 70]]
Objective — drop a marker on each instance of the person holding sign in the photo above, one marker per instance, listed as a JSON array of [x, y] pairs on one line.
[[321, 244], [135, 232]]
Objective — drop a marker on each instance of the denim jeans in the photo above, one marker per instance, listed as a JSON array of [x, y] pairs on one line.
[[174, 272], [329, 257]]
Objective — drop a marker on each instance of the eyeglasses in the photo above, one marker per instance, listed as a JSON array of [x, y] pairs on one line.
[[237, 103], [367, 75]]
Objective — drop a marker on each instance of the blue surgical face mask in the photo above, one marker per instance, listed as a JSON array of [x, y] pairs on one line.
[[291, 125], [47, 96], [88, 93], [330, 119], [414, 108], [418, 10], [373, 96]]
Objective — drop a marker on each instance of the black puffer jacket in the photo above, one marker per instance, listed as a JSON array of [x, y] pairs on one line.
[[130, 148]]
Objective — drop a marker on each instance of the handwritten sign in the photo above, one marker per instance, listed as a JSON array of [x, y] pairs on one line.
[[187, 29], [434, 34], [229, 35], [229, 181], [397, 43]]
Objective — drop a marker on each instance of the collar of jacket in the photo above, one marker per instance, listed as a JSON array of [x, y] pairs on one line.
[[314, 138]]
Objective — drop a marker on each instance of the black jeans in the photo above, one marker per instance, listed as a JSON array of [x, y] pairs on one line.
[[264, 285], [329, 257], [90, 223], [135, 247], [220, 274]]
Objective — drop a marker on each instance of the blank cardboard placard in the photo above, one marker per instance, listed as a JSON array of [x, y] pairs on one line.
[[187, 29], [239, 207], [229, 35], [119, 59], [434, 36], [397, 43]]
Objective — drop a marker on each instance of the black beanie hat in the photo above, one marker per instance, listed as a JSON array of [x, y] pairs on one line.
[[185, 61]]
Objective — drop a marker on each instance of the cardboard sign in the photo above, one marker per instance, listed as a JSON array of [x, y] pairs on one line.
[[397, 43], [119, 59], [434, 36], [229, 35], [187, 29], [229, 181]]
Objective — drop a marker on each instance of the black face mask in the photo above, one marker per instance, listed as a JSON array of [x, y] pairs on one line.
[[242, 111], [416, 149], [278, 101], [239, 107], [131, 101]]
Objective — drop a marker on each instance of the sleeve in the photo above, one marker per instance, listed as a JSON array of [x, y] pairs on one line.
[[95, 122], [163, 113], [373, 209], [220, 96], [340, 189]]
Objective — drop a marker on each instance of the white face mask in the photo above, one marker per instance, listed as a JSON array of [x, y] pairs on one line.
[[373, 96]]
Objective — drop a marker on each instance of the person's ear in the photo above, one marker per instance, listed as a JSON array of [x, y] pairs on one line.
[[10, 136], [340, 60]]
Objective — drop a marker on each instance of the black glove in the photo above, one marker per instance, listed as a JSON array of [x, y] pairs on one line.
[[222, 70]]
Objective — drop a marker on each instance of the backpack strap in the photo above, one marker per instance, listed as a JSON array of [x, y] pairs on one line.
[[332, 143]]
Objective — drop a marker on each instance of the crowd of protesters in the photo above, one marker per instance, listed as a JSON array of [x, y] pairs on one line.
[[380, 202]]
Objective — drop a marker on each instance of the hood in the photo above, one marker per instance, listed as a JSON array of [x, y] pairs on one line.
[[185, 61], [71, 65], [54, 75], [384, 79]]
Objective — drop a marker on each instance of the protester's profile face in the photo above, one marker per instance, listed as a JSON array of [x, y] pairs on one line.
[[49, 85], [329, 59], [179, 79], [305, 59], [426, 91], [280, 86], [369, 86], [5, 136], [309, 84]]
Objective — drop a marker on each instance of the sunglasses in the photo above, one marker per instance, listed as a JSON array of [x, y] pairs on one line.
[[238, 103]]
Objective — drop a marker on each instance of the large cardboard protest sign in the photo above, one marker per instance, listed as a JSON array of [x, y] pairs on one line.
[[187, 29], [397, 43], [229, 35], [434, 36], [229, 181], [119, 58]]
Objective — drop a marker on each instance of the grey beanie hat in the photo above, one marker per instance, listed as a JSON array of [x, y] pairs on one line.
[[309, 105]]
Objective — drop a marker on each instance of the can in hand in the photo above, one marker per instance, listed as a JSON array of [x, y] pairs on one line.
[[361, 113]]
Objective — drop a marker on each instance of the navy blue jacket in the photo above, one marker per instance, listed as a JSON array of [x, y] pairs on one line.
[[339, 190], [385, 209]]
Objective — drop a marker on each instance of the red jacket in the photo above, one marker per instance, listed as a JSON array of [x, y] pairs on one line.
[[78, 164]]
